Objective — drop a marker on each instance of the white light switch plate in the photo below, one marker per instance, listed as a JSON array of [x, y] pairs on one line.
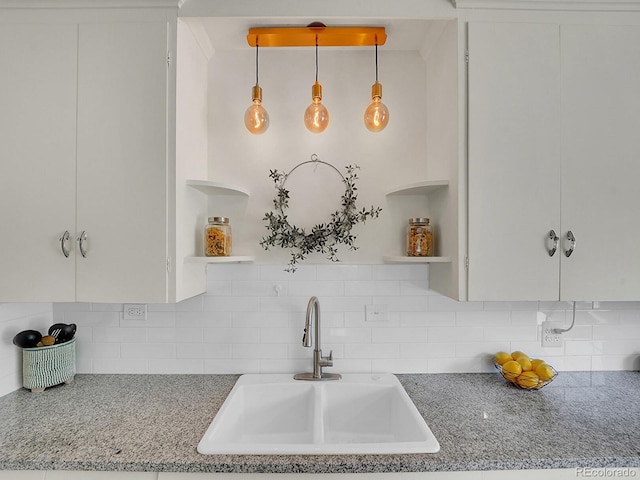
[[375, 313]]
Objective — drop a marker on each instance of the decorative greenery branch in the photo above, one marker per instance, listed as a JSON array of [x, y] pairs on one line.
[[323, 238]]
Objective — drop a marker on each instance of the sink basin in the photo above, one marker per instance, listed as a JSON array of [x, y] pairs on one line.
[[275, 414]]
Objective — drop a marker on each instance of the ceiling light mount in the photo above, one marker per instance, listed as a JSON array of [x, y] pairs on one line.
[[317, 33]]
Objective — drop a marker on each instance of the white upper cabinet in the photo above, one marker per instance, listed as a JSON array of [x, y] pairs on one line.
[[601, 161], [553, 145], [514, 160], [37, 160], [88, 128], [122, 170]]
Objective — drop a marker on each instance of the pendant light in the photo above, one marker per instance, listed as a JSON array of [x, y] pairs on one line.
[[316, 116], [376, 116], [256, 118]]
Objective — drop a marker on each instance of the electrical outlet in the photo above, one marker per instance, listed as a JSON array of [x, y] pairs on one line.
[[135, 311], [375, 313], [549, 337]]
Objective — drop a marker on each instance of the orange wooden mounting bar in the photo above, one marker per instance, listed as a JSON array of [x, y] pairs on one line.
[[322, 35]]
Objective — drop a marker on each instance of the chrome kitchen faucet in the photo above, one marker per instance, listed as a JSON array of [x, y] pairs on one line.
[[318, 360]]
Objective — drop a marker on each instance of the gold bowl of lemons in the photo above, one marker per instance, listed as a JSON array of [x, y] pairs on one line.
[[523, 371]]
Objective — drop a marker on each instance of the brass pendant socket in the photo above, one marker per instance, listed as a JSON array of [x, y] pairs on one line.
[[376, 90], [256, 91], [316, 91]]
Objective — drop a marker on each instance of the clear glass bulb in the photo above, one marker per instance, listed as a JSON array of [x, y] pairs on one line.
[[256, 118], [316, 116], [376, 116]]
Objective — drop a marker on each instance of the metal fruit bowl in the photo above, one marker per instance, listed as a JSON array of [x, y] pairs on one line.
[[511, 379]]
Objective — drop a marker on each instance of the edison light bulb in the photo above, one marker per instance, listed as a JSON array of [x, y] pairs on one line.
[[256, 118], [376, 116], [316, 116]]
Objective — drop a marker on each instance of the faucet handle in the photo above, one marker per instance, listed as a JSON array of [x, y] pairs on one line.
[[327, 361]]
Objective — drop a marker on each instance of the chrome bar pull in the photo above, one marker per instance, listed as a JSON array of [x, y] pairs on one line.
[[82, 241], [572, 243], [64, 243], [555, 239]]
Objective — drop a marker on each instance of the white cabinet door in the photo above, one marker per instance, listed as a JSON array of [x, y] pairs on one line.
[[601, 161], [513, 160], [122, 162], [37, 161]]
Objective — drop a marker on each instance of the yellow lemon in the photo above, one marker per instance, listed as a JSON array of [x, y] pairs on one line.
[[535, 362], [511, 370], [502, 357], [525, 363], [517, 354], [528, 380], [545, 372]]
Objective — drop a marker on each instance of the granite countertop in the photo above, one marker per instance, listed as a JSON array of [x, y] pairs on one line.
[[154, 423]]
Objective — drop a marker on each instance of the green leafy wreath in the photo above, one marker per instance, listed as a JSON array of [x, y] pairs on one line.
[[323, 238]]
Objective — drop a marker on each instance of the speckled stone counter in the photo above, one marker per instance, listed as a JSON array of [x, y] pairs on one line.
[[154, 423]]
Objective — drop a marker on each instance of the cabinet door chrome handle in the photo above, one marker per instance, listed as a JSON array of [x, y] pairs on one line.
[[64, 243], [572, 243], [554, 238], [82, 239]]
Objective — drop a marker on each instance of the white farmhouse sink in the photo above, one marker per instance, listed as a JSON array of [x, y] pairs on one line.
[[275, 414]]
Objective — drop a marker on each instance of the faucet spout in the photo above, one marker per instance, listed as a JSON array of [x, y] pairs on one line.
[[313, 307]]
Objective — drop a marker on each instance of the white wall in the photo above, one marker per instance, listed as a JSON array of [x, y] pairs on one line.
[[241, 325], [15, 317], [393, 157]]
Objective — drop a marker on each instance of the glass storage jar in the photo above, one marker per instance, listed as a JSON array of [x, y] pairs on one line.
[[217, 237], [420, 239]]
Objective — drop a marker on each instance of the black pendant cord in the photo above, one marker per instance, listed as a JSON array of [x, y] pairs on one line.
[[376, 62], [256, 62], [316, 59]]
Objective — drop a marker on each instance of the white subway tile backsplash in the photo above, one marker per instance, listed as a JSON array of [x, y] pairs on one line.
[[438, 303], [231, 304], [148, 350], [454, 334], [399, 335], [372, 351], [231, 335], [617, 332], [119, 335], [176, 365], [414, 319], [259, 319], [232, 366], [277, 272], [348, 335], [427, 350], [252, 317], [372, 288], [499, 318], [120, 365], [271, 335], [415, 287], [203, 350], [344, 272], [317, 288], [174, 335], [514, 332], [90, 350], [260, 351]]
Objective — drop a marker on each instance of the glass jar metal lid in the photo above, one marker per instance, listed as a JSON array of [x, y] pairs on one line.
[[218, 219], [419, 220]]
